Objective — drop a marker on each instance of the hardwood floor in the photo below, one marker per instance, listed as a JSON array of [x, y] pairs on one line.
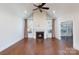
[[41, 47]]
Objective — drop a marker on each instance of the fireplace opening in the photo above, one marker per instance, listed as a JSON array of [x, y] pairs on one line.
[[39, 35]]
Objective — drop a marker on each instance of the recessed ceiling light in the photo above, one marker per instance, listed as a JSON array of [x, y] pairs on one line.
[[54, 11], [25, 12]]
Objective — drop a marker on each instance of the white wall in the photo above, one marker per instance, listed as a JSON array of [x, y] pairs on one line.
[[11, 27], [76, 31], [39, 20]]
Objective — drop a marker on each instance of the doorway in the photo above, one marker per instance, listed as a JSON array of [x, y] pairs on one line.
[[67, 32]]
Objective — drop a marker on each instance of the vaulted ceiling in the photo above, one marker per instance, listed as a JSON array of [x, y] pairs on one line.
[[19, 8]]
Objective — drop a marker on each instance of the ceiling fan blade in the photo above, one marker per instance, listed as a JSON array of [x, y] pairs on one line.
[[40, 10], [35, 5], [45, 8], [42, 5], [35, 9]]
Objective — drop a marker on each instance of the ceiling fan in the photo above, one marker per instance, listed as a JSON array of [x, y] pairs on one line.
[[40, 7]]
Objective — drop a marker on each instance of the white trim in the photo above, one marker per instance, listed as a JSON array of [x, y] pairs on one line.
[[10, 44]]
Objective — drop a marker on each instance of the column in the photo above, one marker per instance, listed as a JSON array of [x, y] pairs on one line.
[[25, 29], [53, 28]]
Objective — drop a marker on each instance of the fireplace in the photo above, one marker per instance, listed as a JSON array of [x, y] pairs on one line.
[[39, 35]]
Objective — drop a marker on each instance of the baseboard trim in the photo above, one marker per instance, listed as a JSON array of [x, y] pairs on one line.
[[7, 46]]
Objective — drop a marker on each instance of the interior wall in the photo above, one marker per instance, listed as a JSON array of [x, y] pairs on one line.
[[11, 27], [76, 31], [39, 20]]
